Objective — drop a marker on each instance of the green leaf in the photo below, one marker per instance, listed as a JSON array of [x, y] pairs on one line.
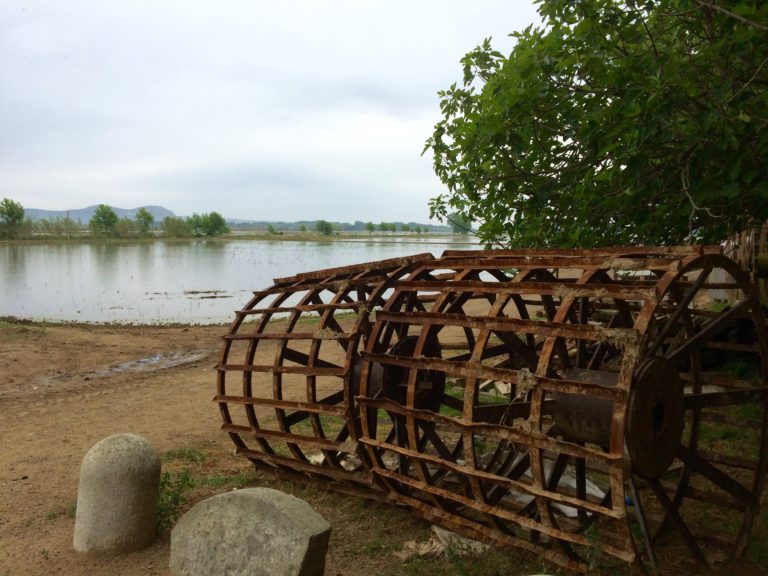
[[730, 190]]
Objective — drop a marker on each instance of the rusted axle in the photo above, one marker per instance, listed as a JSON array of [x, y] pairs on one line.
[[566, 402]]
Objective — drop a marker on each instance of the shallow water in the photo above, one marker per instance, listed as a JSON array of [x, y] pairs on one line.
[[193, 281]]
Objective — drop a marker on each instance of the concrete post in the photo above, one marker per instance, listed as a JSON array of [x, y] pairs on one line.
[[117, 495]]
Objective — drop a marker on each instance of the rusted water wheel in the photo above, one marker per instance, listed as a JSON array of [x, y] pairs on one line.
[[583, 405], [290, 365]]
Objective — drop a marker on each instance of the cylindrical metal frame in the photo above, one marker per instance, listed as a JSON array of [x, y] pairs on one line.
[[579, 404], [289, 366]]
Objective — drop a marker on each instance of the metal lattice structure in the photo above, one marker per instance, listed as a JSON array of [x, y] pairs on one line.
[[304, 335], [573, 403]]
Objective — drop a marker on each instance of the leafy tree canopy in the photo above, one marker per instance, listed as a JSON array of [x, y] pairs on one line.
[[215, 224], [323, 227], [103, 221], [207, 224], [144, 220], [11, 217], [615, 122], [175, 227]]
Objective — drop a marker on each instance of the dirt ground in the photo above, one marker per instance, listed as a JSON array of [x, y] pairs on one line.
[[65, 387]]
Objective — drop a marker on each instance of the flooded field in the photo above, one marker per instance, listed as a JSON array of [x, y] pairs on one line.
[[194, 281]]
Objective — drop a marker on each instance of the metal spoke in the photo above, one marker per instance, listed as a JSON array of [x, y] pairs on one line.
[[677, 520]]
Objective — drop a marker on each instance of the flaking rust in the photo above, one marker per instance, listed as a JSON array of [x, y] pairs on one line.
[[569, 403]]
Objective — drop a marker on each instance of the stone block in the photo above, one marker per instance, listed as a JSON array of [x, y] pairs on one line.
[[253, 532]]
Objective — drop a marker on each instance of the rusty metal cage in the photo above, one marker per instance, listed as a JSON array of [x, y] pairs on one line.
[[290, 365], [576, 404]]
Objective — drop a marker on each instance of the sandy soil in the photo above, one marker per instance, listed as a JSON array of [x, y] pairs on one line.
[[65, 387], [59, 394]]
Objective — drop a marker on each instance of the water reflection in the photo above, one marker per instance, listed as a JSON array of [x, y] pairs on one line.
[[189, 281]]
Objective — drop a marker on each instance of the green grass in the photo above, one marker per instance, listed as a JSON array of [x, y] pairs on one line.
[[20, 326], [743, 369], [174, 489], [374, 546], [757, 552], [718, 306], [331, 425], [190, 455], [62, 511], [492, 562], [239, 480], [191, 473], [458, 393]]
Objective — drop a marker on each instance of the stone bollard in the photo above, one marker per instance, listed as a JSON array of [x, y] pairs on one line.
[[117, 495], [255, 531]]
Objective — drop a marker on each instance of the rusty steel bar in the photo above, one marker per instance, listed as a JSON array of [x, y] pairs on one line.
[[572, 403]]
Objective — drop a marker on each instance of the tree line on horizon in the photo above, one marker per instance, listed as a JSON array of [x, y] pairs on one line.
[[327, 228], [105, 223], [276, 227]]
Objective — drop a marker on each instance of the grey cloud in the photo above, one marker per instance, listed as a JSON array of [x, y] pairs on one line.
[[120, 99]]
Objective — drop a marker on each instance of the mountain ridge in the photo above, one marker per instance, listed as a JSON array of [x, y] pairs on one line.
[[83, 215]]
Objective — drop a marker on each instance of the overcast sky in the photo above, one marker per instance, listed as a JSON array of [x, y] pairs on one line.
[[260, 110]]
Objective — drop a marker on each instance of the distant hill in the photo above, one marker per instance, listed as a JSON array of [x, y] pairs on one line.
[[83, 215]]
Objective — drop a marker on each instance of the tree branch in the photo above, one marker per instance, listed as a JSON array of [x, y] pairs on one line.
[[744, 87], [727, 12]]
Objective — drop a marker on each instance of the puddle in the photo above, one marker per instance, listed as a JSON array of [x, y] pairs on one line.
[[156, 362], [142, 365]]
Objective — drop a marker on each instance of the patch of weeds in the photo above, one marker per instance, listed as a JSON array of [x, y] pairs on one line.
[[309, 318], [729, 433], [458, 562], [594, 552], [18, 328], [375, 546], [331, 425], [448, 411], [743, 369], [244, 479], [455, 392], [420, 567], [62, 512], [173, 489], [191, 455], [757, 552], [748, 411], [240, 480], [482, 446], [44, 553], [718, 306]]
